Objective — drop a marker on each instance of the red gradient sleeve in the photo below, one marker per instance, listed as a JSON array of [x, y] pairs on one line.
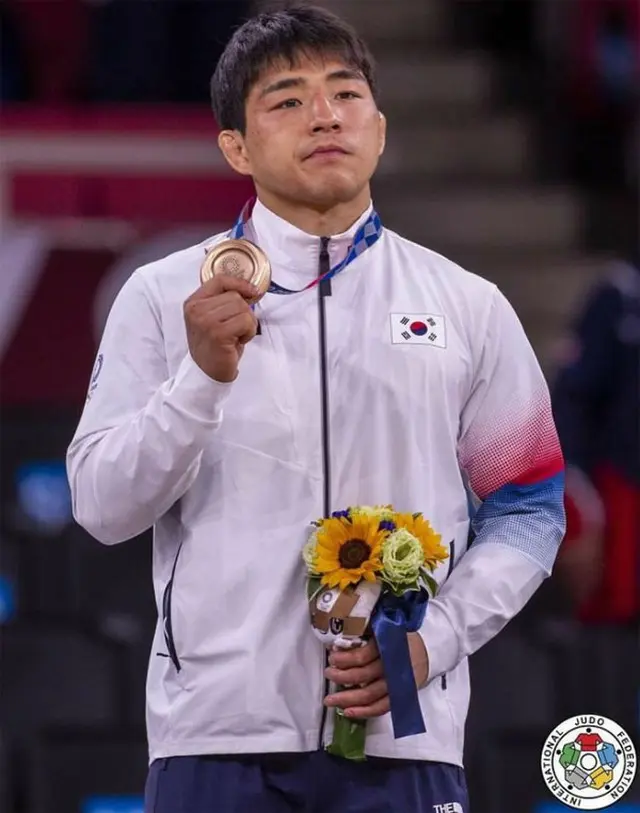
[[508, 434]]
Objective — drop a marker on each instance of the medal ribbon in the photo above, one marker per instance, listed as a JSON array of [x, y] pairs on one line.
[[368, 234]]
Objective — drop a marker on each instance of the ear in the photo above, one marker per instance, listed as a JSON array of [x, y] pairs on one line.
[[382, 132], [232, 146]]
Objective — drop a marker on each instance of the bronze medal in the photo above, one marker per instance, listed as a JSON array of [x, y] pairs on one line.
[[238, 258]]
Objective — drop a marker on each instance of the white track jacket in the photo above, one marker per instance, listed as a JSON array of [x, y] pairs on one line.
[[453, 421]]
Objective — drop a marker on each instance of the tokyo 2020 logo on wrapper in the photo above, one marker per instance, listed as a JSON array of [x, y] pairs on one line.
[[588, 762]]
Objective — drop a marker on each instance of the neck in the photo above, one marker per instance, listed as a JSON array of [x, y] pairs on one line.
[[319, 222]]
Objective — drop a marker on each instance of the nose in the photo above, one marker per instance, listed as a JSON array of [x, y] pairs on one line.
[[324, 114]]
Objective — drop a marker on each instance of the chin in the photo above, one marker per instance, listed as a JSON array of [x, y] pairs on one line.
[[330, 194]]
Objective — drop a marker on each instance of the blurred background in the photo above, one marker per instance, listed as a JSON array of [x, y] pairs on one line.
[[514, 149]]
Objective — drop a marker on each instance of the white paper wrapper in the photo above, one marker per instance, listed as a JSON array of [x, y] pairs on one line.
[[333, 631]]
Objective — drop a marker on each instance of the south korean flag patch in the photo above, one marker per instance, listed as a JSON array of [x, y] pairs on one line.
[[418, 328]]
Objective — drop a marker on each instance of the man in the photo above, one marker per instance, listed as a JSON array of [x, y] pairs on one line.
[[230, 429], [596, 403]]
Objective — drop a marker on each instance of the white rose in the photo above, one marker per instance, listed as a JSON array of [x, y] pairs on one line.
[[380, 512], [309, 554], [402, 558]]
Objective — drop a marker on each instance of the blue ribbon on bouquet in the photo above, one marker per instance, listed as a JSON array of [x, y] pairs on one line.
[[393, 617]]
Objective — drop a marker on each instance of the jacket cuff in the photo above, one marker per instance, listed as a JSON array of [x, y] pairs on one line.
[[440, 640], [194, 393]]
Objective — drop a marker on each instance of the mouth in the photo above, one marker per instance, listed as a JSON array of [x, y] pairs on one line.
[[328, 151]]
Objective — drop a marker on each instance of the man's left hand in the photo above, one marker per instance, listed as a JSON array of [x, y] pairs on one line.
[[362, 669]]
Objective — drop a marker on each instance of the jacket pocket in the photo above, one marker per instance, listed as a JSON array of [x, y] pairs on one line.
[[166, 615], [452, 556]]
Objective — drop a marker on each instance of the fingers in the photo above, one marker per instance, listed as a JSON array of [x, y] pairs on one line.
[[223, 283], [376, 709], [221, 308], [361, 700], [223, 317], [362, 670], [356, 676], [200, 309], [354, 658], [241, 328], [226, 324]]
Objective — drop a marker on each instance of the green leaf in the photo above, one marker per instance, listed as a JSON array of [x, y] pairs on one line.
[[398, 588], [314, 585], [431, 583]]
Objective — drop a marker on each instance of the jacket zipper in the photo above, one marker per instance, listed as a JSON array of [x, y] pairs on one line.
[[324, 290]]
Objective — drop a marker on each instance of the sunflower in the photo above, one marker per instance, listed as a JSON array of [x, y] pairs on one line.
[[349, 550], [417, 525]]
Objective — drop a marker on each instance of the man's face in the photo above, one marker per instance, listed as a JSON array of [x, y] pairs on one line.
[[314, 134]]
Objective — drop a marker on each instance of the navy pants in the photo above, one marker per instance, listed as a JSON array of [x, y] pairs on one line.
[[303, 783]]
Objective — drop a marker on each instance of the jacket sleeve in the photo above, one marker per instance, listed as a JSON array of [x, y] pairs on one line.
[[138, 446], [509, 452]]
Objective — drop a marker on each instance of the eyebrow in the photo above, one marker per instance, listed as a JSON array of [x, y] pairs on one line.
[[298, 81]]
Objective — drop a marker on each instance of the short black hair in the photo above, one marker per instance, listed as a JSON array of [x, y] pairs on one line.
[[286, 35]]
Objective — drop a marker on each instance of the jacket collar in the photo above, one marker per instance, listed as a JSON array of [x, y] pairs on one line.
[[293, 253]]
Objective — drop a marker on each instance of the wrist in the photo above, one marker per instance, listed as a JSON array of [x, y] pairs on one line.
[[222, 376], [218, 373], [419, 658]]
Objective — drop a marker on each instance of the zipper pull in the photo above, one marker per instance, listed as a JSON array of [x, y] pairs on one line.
[[324, 266]]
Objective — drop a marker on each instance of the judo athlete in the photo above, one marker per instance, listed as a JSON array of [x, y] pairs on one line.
[[373, 371]]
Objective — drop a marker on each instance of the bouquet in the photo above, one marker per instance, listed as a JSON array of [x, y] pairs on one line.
[[369, 574]]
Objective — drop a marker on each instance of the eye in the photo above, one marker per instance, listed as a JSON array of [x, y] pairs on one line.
[[287, 104], [349, 94]]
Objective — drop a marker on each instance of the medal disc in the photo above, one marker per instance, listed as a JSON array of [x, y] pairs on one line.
[[241, 259]]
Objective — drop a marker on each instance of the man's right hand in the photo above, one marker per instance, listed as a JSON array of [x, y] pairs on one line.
[[219, 323]]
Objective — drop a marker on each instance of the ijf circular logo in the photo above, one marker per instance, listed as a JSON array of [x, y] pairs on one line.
[[588, 762]]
